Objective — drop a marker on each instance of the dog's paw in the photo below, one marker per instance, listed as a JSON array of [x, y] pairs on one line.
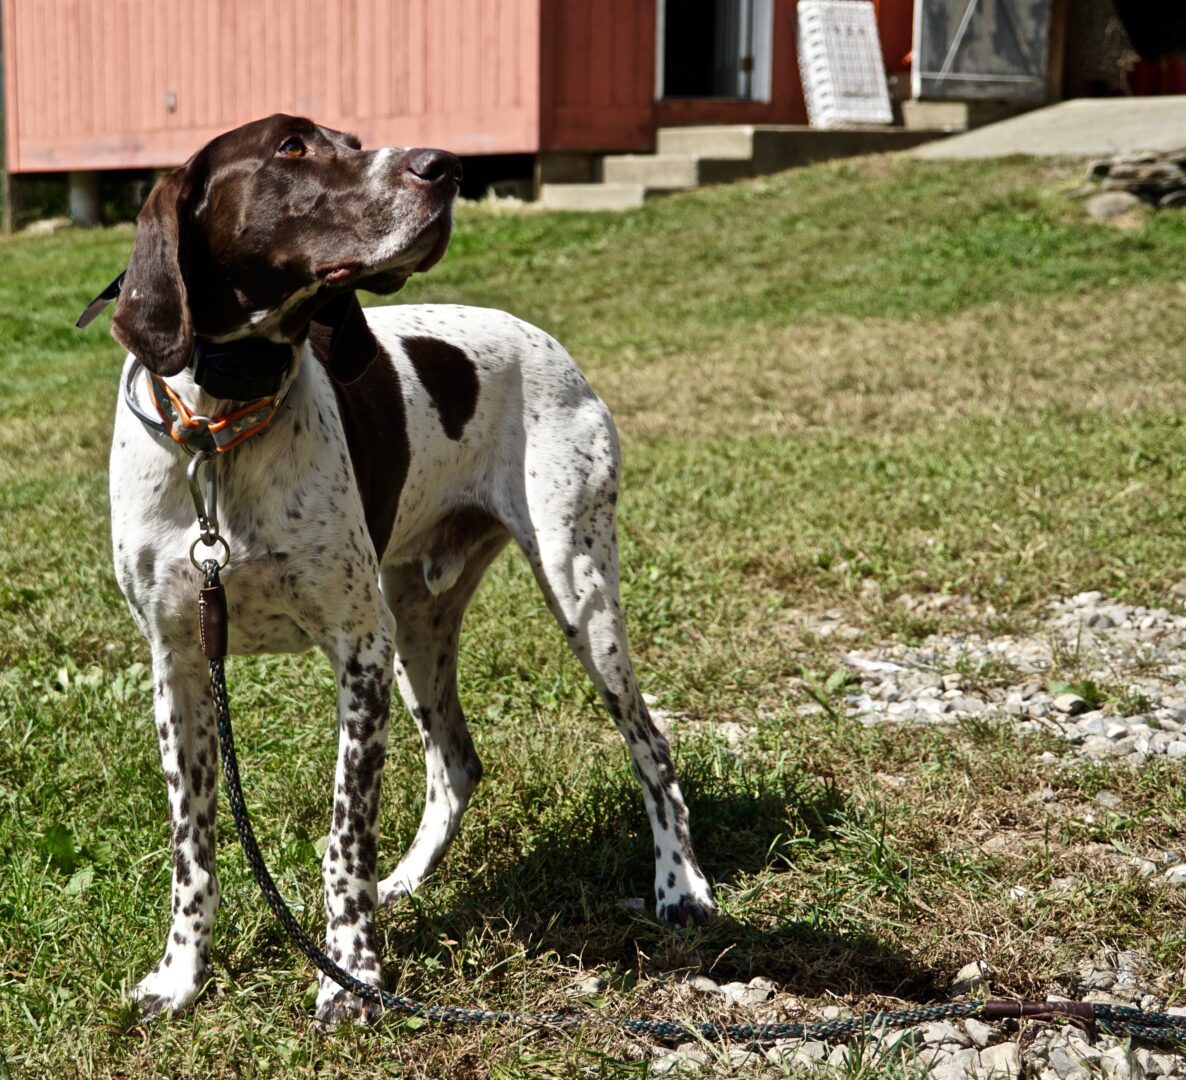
[[392, 889], [686, 910], [337, 1006], [690, 905], [168, 990]]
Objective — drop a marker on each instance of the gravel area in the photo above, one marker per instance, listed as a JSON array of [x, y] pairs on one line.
[[1133, 658], [1125, 702], [942, 1049]]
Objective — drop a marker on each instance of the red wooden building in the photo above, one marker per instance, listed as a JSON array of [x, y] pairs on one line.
[[122, 84]]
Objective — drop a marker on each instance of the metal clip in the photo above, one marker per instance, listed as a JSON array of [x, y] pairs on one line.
[[205, 504]]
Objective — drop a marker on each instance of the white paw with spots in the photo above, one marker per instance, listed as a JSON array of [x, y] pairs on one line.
[[684, 901], [337, 1006], [170, 987]]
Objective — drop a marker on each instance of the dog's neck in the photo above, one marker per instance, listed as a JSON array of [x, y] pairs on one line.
[[224, 376]]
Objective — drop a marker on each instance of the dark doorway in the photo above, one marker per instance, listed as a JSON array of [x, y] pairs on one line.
[[688, 49], [1155, 28], [708, 48]]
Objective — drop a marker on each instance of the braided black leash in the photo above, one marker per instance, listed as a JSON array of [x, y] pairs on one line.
[[1115, 1019]]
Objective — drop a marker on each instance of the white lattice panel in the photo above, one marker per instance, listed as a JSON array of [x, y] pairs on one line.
[[840, 64]]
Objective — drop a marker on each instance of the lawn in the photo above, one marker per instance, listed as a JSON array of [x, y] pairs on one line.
[[834, 387]]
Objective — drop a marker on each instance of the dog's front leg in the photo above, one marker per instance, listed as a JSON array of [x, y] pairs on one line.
[[184, 715], [363, 666]]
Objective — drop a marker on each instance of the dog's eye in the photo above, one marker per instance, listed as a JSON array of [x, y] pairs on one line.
[[292, 147]]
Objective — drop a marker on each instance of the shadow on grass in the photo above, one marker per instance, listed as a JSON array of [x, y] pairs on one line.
[[560, 893]]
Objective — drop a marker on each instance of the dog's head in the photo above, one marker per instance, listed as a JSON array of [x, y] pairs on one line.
[[271, 224]]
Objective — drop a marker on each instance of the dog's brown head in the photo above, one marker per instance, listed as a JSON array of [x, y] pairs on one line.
[[271, 223]]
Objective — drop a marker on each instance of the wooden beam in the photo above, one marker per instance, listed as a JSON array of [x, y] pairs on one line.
[[1056, 59]]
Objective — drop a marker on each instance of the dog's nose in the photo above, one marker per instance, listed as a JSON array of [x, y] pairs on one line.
[[435, 167]]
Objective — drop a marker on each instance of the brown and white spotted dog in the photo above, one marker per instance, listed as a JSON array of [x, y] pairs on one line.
[[412, 443]]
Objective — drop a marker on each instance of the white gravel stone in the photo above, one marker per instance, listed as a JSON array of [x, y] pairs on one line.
[[1000, 1062], [1071, 704], [809, 1054], [680, 1063], [747, 994], [840, 1057], [970, 977], [835, 1012], [1067, 1065], [979, 1032], [1176, 875], [973, 705], [946, 1034], [1155, 1064], [740, 1058], [702, 984], [960, 1066], [1118, 1064]]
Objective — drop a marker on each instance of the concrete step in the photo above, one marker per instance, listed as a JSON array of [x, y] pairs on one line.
[[670, 172], [931, 115], [787, 147], [723, 154], [782, 146], [728, 142], [591, 196]]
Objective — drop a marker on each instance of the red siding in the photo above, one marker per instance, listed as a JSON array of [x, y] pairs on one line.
[[597, 74], [86, 80], [895, 21]]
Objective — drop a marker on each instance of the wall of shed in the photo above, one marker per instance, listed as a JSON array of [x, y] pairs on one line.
[[598, 74], [88, 82], [99, 84], [597, 77]]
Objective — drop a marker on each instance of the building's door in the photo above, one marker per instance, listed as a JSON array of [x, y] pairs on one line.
[[715, 48], [977, 49]]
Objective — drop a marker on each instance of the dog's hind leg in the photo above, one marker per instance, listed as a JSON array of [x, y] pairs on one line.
[[428, 625], [569, 537], [184, 714]]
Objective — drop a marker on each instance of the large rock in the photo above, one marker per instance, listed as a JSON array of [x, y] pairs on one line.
[[1109, 205]]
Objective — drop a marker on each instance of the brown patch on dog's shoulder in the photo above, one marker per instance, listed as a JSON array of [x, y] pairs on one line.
[[372, 413], [449, 376]]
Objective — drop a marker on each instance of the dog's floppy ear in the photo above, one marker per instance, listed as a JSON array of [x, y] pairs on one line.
[[341, 338], [153, 320]]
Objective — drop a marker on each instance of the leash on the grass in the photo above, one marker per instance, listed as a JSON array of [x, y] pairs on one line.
[[1153, 1027]]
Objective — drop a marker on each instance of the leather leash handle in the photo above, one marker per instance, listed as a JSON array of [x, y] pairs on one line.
[[212, 619]]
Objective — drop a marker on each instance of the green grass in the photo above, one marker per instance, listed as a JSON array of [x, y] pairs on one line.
[[834, 386]]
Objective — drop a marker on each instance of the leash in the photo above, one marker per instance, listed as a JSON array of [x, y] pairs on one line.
[[1152, 1027]]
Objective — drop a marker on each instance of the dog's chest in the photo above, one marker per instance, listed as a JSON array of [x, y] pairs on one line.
[[292, 522]]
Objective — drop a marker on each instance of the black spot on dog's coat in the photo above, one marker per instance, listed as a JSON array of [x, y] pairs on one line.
[[450, 378]]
